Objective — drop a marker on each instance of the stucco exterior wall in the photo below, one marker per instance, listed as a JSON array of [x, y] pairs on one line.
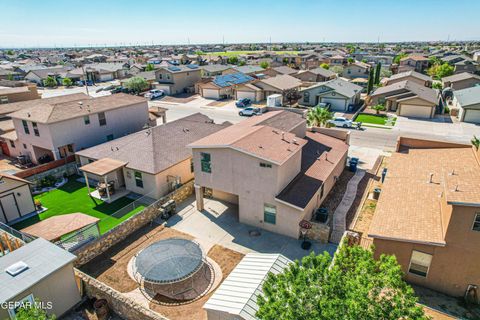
[[16, 200]]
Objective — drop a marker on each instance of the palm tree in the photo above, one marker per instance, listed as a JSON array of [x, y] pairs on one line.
[[318, 117], [476, 142]]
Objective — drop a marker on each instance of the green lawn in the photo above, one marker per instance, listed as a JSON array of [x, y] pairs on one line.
[[236, 53], [380, 119], [72, 197]]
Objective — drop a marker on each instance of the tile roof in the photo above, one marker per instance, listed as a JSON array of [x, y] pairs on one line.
[[422, 92], [321, 71], [51, 112], [249, 69], [460, 77], [409, 208], [411, 73], [468, 96], [15, 106], [343, 87], [285, 70], [158, 148], [320, 155], [282, 82]]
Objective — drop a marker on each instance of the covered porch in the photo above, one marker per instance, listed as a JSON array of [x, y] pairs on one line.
[[107, 174]]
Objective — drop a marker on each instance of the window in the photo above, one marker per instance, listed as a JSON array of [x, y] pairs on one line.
[[101, 119], [476, 222], [28, 301], [70, 148], [205, 162], [321, 190], [265, 165], [306, 97], [420, 263], [12, 144], [86, 120], [191, 166], [35, 129], [110, 137], [25, 127], [24, 146], [269, 213], [138, 179], [160, 76]]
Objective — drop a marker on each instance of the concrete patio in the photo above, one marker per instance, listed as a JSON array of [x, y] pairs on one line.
[[218, 224]]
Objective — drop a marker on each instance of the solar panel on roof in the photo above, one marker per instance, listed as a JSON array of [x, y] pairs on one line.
[[174, 68], [231, 79], [192, 66]]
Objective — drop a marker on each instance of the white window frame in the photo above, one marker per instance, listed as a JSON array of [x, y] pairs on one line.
[[477, 215], [429, 265], [12, 312]]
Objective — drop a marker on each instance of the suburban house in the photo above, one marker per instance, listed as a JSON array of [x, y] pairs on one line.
[[271, 167], [413, 62], [411, 75], [428, 214], [308, 60], [272, 72], [17, 91], [338, 92], [224, 86], [250, 70], [16, 201], [39, 75], [151, 162], [46, 129], [337, 60], [105, 71], [178, 79], [279, 84], [356, 70], [467, 65], [467, 101], [212, 70], [37, 270], [315, 75], [461, 81], [408, 99]]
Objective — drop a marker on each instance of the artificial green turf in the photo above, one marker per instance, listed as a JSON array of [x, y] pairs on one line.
[[374, 119], [73, 197]]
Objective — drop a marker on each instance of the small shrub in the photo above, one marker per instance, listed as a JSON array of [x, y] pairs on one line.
[[47, 182]]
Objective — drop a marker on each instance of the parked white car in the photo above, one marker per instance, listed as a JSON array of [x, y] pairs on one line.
[[154, 94], [341, 122], [250, 111]]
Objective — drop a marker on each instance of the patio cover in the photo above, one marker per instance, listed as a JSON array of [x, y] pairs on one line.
[[55, 227], [103, 166]]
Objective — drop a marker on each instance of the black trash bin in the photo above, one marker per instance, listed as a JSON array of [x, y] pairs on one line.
[[353, 163]]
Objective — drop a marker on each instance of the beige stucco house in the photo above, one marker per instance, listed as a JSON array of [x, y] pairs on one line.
[[428, 214], [461, 81], [411, 75], [150, 162], [178, 79], [16, 201], [340, 94], [271, 167], [46, 129]]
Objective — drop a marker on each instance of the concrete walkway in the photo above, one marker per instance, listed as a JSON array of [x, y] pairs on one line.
[[340, 214]]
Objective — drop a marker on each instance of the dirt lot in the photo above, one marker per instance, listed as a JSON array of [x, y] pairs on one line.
[[227, 260], [111, 267]]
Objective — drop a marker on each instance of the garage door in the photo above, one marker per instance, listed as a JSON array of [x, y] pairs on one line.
[[210, 93], [337, 104], [246, 94], [415, 111], [165, 88], [472, 116]]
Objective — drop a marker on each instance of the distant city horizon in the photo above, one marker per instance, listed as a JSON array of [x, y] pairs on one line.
[[50, 23]]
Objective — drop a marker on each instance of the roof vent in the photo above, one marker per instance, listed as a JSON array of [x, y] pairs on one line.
[[453, 172], [431, 178], [456, 188], [28, 114], [295, 141], [16, 268]]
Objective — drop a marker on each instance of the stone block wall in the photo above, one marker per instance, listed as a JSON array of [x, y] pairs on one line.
[[119, 303], [127, 227], [319, 232]]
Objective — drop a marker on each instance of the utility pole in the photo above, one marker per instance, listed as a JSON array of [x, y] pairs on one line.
[[85, 80]]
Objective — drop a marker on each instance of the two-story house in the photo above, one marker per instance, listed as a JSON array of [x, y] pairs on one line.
[[428, 214], [271, 167], [45, 130], [356, 70], [413, 62], [178, 79]]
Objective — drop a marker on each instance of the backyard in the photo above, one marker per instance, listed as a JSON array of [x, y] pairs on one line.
[[73, 197], [377, 119]]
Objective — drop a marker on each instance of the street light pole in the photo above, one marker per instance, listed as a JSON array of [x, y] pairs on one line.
[[85, 80]]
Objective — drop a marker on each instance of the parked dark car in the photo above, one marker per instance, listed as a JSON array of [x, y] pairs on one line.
[[117, 90], [242, 103]]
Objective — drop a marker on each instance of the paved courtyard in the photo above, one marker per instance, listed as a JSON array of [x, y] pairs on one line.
[[218, 224]]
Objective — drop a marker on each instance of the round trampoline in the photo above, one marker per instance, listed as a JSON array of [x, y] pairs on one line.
[[173, 268]]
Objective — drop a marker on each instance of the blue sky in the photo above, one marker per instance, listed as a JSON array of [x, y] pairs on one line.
[[33, 23]]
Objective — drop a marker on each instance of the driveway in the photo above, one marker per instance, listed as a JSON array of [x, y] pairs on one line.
[[218, 224]]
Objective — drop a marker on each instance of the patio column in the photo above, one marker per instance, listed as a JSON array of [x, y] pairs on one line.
[[106, 187], [86, 180], [199, 197]]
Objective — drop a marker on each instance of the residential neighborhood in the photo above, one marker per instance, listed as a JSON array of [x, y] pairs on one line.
[[181, 166]]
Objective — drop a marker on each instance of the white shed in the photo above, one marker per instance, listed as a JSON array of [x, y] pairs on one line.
[[236, 298]]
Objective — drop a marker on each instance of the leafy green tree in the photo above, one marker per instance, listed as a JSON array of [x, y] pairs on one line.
[[137, 84], [398, 57], [385, 73], [285, 61], [33, 313], [350, 60], [10, 76], [50, 82], [232, 60], [242, 63], [378, 69], [9, 52], [476, 142], [199, 53], [444, 70], [354, 286], [67, 82], [337, 69], [437, 85], [370, 81], [318, 117], [325, 66], [149, 67], [264, 64], [378, 108], [364, 60]]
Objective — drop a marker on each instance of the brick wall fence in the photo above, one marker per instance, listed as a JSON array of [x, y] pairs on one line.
[[127, 227], [119, 303], [407, 142], [45, 168]]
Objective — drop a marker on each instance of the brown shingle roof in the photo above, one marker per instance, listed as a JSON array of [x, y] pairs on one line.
[[320, 156], [59, 111], [282, 82], [15, 106], [409, 208], [158, 148]]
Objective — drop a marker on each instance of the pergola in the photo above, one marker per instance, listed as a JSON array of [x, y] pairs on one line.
[[102, 168]]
